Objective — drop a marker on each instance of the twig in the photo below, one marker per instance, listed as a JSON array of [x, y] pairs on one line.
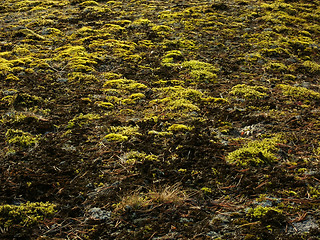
[[249, 224]]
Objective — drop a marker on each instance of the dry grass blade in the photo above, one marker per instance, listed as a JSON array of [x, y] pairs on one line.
[[169, 194]]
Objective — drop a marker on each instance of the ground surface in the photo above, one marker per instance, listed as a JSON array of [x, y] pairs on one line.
[[159, 119]]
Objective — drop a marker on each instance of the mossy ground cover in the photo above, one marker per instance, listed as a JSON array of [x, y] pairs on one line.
[[159, 119]]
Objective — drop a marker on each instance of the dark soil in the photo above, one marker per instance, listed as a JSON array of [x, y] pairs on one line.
[[124, 115]]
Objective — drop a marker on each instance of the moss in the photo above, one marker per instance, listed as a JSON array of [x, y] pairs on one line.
[[299, 93], [182, 105], [127, 131], [27, 214], [249, 92], [133, 157], [201, 71], [5, 66], [82, 78], [314, 192], [18, 118], [20, 138], [255, 153], [171, 58], [77, 58], [115, 137], [260, 211], [137, 96], [125, 84], [179, 128], [89, 3], [141, 22], [177, 100], [82, 120], [105, 105], [160, 134], [111, 75], [114, 47], [8, 100], [31, 34], [11, 77], [311, 66], [253, 57], [162, 30], [209, 100], [206, 190], [276, 67]]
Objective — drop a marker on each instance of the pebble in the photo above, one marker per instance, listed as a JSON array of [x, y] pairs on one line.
[[99, 214]]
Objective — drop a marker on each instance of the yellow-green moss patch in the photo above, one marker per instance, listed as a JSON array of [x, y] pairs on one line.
[[254, 153], [249, 92], [27, 214], [299, 93]]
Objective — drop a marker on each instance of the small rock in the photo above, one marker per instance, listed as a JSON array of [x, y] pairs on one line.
[[306, 84], [184, 220], [99, 214], [9, 92], [303, 226]]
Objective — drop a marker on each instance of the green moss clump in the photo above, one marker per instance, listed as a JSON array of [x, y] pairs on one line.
[[160, 134], [141, 22], [201, 71], [77, 58], [177, 100], [12, 77], [299, 93], [182, 105], [105, 105], [27, 214], [31, 34], [20, 138], [260, 211], [82, 78], [171, 58], [133, 157], [127, 131], [82, 119], [5, 66], [276, 67], [206, 190], [311, 66], [137, 96], [125, 84], [115, 137], [255, 153], [179, 128], [249, 92], [89, 3]]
